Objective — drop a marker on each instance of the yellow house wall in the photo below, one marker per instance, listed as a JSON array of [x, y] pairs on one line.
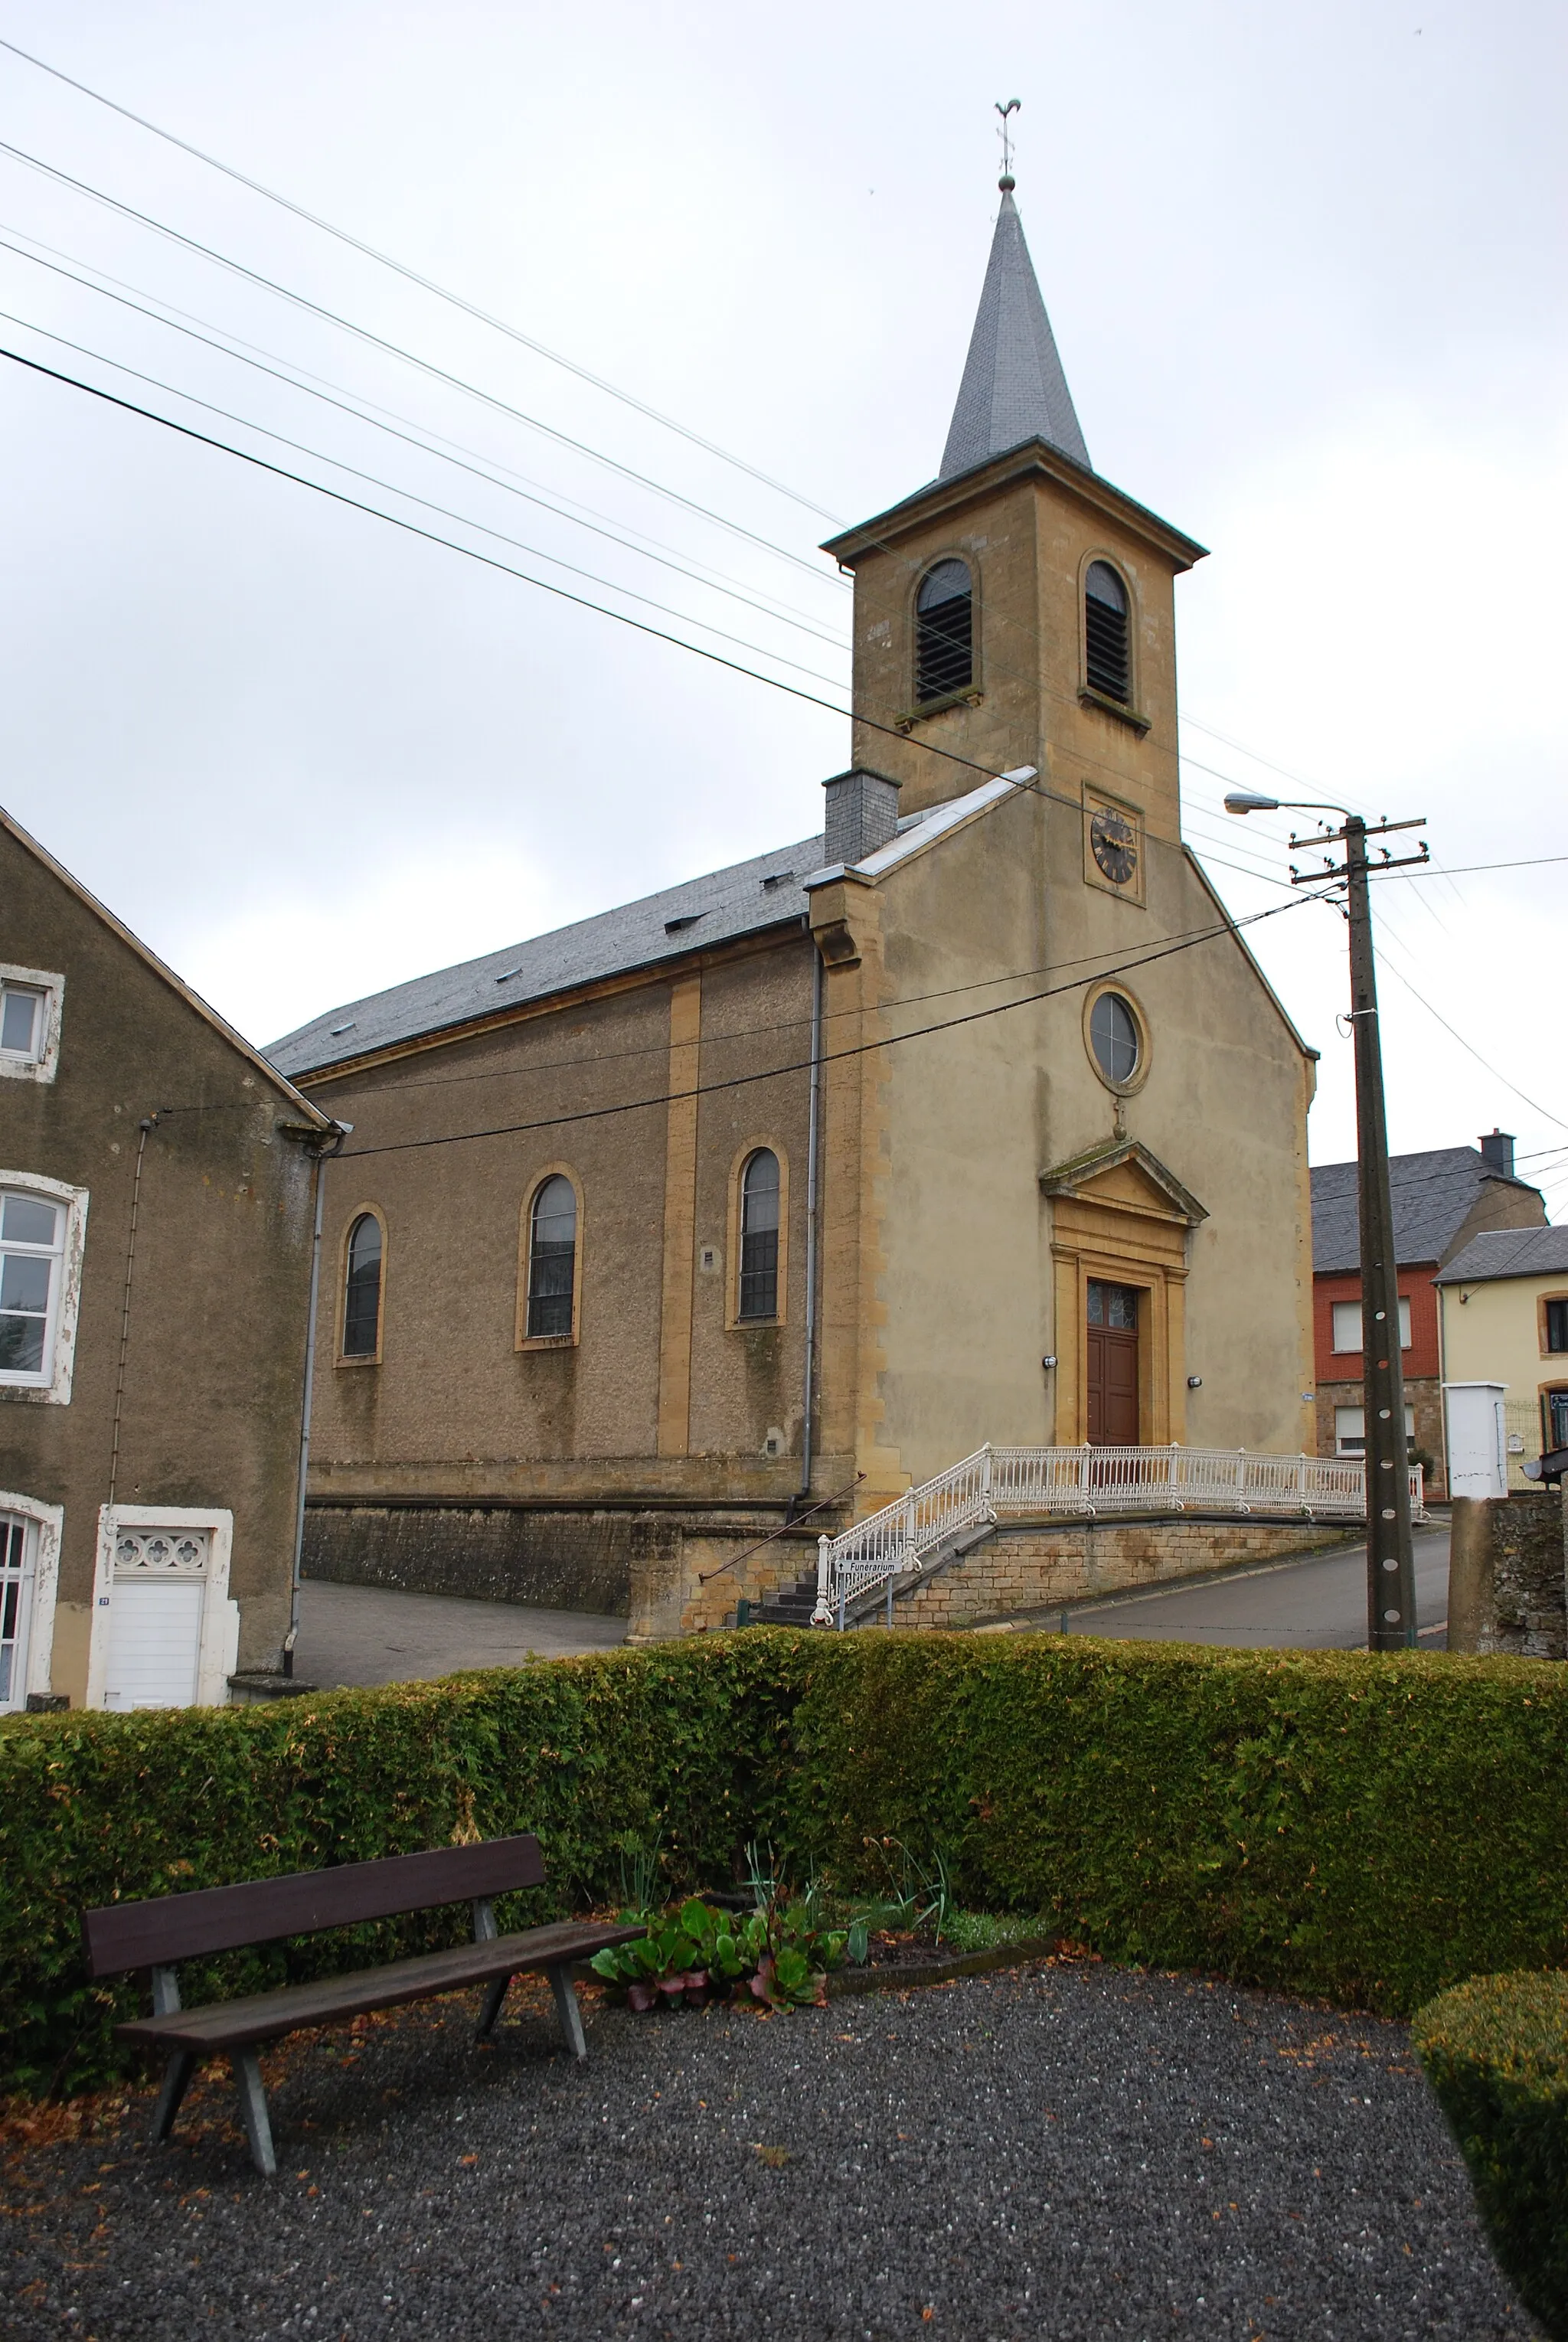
[[1496, 1333]]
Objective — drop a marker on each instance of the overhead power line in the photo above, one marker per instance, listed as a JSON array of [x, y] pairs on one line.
[[400, 426], [735, 1033], [444, 512], [828, 1057], [488, 561], [429, 284], [406, 357]]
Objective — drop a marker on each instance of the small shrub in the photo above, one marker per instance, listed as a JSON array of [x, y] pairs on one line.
[[1495, 2051], [779, 1955]]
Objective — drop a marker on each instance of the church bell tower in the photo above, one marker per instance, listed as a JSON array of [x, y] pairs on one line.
[[1019, 609]]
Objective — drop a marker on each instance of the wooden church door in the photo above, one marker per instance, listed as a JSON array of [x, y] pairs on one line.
[[1112, 1364]]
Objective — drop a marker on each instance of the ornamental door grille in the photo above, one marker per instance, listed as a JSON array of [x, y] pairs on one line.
[[15, 1608], [156, 1617], [1113, 1363]]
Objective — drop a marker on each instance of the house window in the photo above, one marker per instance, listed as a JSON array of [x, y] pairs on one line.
[[23, 1013], [1107, 644], [1557, 1325], [1557, 1418], [15, 1589], [759, 1292], [943, 632], [1347, 1326], [1350, 1430], [31, 1248], [1113, 1038], [552, 1260], [29, 1023], [361, 1289]]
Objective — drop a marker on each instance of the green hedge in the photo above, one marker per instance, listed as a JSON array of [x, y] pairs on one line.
[[1369, 1829], [1495, 2051]]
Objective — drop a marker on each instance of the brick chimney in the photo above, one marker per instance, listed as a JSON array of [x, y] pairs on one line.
[[1497, 1152], [862, 814]]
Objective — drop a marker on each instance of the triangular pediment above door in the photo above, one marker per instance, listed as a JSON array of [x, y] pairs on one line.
[[1124, 1174]]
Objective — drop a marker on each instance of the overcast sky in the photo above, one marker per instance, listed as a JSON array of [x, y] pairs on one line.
[[1306, 271]]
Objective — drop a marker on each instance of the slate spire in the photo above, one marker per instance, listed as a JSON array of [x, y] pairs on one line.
[[1013, 387]]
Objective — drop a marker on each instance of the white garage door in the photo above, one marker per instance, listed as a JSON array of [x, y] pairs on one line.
[[155, 1618]]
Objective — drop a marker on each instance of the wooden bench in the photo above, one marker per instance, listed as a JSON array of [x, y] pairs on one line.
[[166, 1928]]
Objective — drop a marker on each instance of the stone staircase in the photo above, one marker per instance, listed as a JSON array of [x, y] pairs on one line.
[[792, 1605]]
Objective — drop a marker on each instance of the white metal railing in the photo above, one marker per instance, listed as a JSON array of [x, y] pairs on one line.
[[998, 1482]]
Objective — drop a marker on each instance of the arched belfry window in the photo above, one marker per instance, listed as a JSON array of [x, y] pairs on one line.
[[759, 1290], [1107, 637], [552, 1259], [361, 1289], [943, 632]]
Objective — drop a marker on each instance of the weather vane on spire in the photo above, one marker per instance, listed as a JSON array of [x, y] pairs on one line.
[[1006, 182]]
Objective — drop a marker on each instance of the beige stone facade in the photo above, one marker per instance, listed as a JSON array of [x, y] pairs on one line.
[[976, 1180]]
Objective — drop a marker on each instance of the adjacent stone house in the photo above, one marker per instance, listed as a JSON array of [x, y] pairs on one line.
[[1441, 1198], [970, 1117], [155, 1240], [1504, 1300]]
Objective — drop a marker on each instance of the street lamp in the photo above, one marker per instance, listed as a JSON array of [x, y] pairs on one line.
[[1389, 1555]]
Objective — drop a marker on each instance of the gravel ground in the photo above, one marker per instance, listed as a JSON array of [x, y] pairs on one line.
[[1063, 2149]]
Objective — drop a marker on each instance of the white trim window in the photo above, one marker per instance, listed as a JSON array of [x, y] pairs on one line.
[[29, 1572], [43, 1232], [165, 1633], [30, 1001], [1350, 1430], [1347, 1326]]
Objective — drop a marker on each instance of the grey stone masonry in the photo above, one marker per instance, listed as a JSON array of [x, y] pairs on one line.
[[1529, 1561]]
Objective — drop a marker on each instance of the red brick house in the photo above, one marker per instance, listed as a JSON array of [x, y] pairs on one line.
[[1440, 1200]]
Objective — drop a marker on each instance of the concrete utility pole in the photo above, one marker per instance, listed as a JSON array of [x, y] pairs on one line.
[[1389, 1555]]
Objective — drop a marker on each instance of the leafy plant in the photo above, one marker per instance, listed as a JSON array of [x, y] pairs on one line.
[[702, 1953], [688, 1958], [640, 1866], [920, 1893]]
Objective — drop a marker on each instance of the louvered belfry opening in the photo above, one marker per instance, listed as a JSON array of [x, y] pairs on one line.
[[1107, 645], [944, 632]]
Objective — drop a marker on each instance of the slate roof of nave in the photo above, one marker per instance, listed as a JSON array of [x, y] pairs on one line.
[[719, 907], [1433, 1192]]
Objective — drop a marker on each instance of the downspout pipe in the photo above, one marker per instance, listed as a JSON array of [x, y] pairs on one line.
[[322, 1156], [812, 1119]]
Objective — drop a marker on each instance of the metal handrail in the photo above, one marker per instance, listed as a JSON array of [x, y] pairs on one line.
[[996, 1482]]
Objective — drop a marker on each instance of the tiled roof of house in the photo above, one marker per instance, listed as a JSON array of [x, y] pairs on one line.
[[769, 891], [1433, 1194], [1510, 1251]]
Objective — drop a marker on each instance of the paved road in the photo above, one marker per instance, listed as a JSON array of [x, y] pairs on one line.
[[1315, 1603], [367, 1634]]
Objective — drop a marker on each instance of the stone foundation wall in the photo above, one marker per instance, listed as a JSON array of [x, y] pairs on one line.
[[644, 1567], [567, 1561], [1033, 1565]]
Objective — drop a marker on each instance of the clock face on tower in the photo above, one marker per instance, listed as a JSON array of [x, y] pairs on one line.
[[1114, 843]]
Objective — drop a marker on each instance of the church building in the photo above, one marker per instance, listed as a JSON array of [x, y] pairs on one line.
[[731, 1214]]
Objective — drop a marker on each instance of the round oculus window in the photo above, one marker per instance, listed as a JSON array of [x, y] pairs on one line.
[[1113, 1038]]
